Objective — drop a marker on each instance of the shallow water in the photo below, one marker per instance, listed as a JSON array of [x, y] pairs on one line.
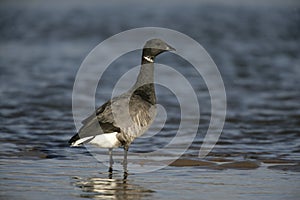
[[256, 50]]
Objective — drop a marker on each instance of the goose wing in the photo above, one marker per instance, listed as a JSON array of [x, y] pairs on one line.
[[100, 122]]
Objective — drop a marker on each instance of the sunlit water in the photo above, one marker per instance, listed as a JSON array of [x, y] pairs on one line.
[[256, 50]]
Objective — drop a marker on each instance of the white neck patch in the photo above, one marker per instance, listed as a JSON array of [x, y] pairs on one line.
[[148, 59]]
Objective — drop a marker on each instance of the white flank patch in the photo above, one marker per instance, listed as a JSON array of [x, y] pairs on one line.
[[108, 140], [80, 141]]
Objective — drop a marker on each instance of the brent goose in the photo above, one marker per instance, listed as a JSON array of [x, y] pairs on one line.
[[123, 118]]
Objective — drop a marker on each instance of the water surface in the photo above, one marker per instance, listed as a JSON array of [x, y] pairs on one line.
[[255, 48]]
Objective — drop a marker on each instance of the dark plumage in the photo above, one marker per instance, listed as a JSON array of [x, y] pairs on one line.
[[123, 118]]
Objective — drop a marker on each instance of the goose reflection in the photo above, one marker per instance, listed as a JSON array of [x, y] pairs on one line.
[[110, 188]]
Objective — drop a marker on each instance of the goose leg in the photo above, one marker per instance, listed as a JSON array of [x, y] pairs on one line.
[[111, 162], [125, 162]]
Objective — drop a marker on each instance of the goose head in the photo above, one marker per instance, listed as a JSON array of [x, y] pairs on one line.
[[154, 47]]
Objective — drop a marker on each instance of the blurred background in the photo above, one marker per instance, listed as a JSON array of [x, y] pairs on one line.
[[255, 46]]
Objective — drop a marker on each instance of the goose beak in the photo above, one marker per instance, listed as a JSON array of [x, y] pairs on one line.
[[169, 48]]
